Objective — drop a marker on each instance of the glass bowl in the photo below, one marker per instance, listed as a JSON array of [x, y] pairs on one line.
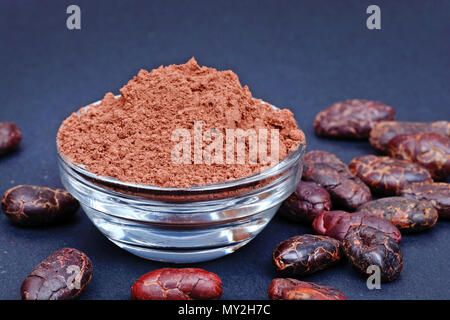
[[183, 225]]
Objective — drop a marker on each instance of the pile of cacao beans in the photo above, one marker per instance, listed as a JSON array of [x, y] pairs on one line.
[[359, 211]]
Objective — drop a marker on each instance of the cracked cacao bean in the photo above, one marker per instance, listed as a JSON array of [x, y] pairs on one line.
[[293, 289], [386, 176], [365, 246], [306, 254], [327, 170], [10, 137], [352, 119], [408, 215], [308, 201], [430, 150], [438, 193], [384, 131], [177, 284], [336, 224], [62, 276], [35, 206]]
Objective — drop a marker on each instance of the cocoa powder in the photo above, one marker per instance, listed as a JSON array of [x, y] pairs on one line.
[[129, 137]]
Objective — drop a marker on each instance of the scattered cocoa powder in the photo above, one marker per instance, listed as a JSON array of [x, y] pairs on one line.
[[129, 137]]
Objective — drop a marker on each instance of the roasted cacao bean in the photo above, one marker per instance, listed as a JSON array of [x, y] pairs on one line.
[[366, 246], [437, 193], [384, 131], [336, 224], [10, 137], [306, 254], [430, 150], [345, 188], [35, 205], [386, 176], [308, 201], [408, 215], [293, 289], [177, 284], [352, 119], [62, 276]]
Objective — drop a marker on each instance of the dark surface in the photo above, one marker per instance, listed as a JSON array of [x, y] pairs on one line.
[[301, 55]]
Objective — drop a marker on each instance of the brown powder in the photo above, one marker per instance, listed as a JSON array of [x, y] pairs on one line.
[[129, 138]]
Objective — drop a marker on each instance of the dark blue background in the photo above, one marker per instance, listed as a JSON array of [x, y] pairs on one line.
[[303, 55]]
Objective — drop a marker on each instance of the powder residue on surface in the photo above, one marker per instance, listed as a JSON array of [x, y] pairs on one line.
[[129, 137]]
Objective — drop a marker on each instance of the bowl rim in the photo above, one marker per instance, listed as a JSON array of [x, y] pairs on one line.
[[277, 169]]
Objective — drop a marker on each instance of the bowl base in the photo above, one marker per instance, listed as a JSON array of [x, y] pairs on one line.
[[187, 245], [180, 256]]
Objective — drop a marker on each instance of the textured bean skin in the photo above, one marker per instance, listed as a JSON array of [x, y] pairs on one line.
[[306, 254], [62, 276], [386, 176], [327, 170], [408, 215], [366, 246], [36, 206], [384, 131], [430, 150], [351, 119], [336, 224], [177, 284], [437, 193], [308, 201], [293, 289], [10, 137]]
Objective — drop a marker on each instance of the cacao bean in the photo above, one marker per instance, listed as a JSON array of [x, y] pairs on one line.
[[430, 150], [352, 119], [293, 289], [336, 224], [384, 131], [306, 254], [177, 284], [62, 276], [10, 137], [366, 246], [437, 193], [36, 206], [408, 215], [386, 176], [308, 201], [327, 170]]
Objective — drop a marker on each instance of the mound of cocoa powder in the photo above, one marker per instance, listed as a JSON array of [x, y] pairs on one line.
[[129, 137]]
